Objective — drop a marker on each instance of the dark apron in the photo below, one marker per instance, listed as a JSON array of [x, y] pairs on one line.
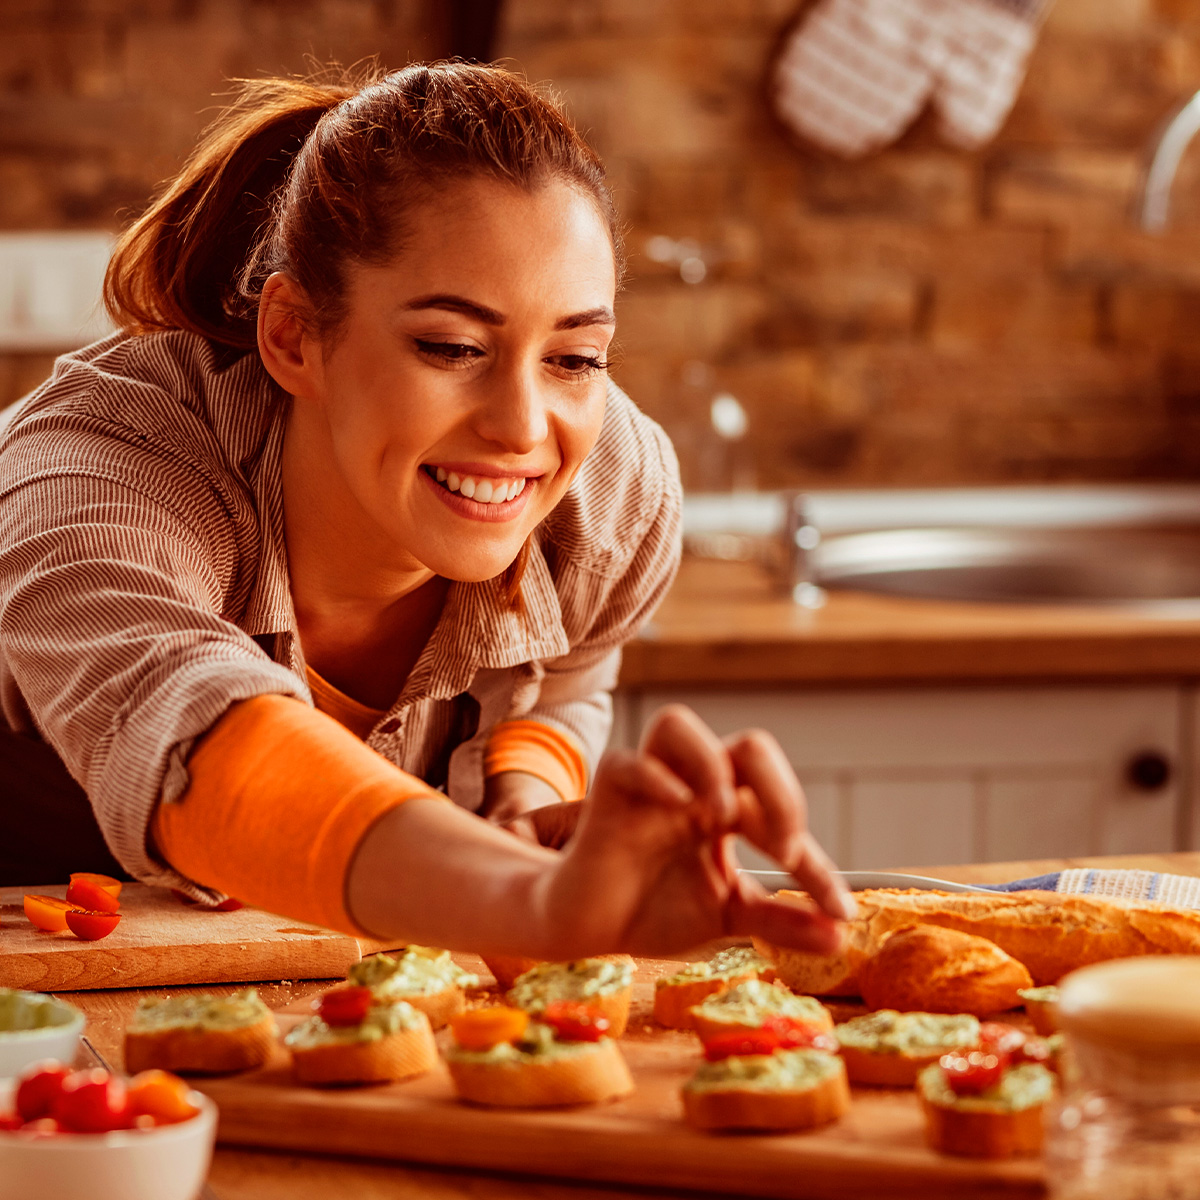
[[47, 828]]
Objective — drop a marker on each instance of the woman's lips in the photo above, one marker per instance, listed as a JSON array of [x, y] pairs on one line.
[[476, 496]]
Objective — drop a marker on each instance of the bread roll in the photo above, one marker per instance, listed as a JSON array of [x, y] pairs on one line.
[[1049, 932], [926, 968]]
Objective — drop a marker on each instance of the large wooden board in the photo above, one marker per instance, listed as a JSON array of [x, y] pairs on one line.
[[162, 942], [876, 1150]]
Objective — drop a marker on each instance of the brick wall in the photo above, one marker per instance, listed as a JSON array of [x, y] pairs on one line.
[[923, 316]]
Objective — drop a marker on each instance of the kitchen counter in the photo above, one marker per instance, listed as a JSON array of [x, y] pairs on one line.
[[723, 624], [253, 1175]]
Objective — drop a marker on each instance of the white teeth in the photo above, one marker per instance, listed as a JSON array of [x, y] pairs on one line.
[[482, 491]]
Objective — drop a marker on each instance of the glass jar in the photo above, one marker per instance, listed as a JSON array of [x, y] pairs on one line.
[[1128, 1124]]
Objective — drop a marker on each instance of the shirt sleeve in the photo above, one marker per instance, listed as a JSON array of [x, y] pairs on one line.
[[280, 798], [540, 750], [111, 629]]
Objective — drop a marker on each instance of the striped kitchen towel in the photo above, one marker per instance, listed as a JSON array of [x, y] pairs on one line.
[[1181, 891], [856, 73]]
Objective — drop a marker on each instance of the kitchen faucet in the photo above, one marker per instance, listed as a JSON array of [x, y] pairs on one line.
[[1164, 163]]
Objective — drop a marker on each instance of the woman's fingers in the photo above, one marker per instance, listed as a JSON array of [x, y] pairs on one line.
[[678, 738], [550, 825], [752, 911]]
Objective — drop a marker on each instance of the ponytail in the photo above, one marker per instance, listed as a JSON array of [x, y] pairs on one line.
[[180, 265]]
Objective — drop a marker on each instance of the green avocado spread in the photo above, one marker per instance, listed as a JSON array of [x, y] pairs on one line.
[[579, 980], [538, 1042], [22, 1011], [199, 1012], [891, 1032], [737, 960], [417, 971], [380, 1021], [785, 1071], [1024, 1086], [1040, 995], [752, 1002]]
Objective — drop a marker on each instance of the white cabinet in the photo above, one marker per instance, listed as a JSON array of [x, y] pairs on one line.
[[907, 777]]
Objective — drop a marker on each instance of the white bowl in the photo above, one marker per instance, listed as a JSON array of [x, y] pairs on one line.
[[21, 1048], [169, 1162]]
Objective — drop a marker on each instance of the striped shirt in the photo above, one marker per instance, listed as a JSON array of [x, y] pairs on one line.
[[144, 584]]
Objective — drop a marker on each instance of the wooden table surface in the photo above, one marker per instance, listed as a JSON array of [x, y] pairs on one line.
[[726, 624], [249, 1175]]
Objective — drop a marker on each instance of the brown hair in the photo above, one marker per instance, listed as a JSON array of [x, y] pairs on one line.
[[306, 176]]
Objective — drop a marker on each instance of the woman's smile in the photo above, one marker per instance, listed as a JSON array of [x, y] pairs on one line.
[[481, 495]]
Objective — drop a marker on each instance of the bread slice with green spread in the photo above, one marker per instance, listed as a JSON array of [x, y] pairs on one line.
[[1041, 1006], [540, 1071], [393, 1041], [790, 1089], [890, 1048], [998, 1122], [426, 978], [200, 1034], [751, 1004], [604, 984], [676, 995]]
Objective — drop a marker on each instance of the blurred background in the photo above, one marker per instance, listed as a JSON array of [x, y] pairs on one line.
[[866, 315]]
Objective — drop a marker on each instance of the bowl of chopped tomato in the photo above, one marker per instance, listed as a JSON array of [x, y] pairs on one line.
[[34, 1026], [92, 1135]]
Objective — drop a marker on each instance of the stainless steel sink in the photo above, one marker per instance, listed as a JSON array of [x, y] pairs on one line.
[[1157, 569]]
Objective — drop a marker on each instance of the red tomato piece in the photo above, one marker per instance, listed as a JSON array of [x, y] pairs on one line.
[[91, 897], [1035, 1050], [92, 1102], [107, 882], [91, 926], [229, 904], [794, 1034], [48, 913], [10, 1121], [43, 1126], [1003, 1040], [574, 1021], [346, 1005], [160, 1096], [748, 1041], [39, 1089], [970, 1073]]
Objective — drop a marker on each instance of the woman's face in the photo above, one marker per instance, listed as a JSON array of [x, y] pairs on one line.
[[467, 384]]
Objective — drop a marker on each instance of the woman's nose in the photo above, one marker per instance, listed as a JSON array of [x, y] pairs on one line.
[[513, 413]]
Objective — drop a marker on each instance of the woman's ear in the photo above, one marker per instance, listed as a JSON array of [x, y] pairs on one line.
[[291, 356]]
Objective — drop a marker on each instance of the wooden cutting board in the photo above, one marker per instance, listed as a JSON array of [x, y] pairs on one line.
[[163, 942], [876, 1150]]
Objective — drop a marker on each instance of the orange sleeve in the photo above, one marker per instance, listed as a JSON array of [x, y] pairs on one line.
[[279, 799], [539, 750]]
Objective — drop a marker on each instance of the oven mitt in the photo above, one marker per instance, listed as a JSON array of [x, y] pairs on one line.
[[856, 73]]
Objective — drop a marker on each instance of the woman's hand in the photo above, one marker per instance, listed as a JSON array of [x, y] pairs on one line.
[[529, 807], [651, 868]]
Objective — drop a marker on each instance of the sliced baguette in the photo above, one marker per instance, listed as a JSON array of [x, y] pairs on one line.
[[175, 1034], [398, 1055], [739, 1104], [1049, 932], [890, 1049], [675, 995], [747, 1005], [548, 982], [975, 1127], [589, 1073]]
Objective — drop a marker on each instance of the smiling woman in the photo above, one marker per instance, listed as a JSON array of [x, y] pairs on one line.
[[332, 549]]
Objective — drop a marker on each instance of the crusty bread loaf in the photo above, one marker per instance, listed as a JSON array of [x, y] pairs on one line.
[[399, 1055], [1049, 932], [928, 968], [596, 1071], [749, 1107]]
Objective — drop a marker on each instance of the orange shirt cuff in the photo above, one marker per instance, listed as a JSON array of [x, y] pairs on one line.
[[539, 750], [279, 800]]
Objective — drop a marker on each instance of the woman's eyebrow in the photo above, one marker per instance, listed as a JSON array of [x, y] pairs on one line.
[[601, 315]]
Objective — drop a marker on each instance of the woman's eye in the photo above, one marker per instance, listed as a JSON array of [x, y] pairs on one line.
[[580, 364], [452, 351]]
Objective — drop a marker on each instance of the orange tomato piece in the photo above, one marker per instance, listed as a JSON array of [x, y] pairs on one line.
[[91, 926], [107, 882], [483, 1028], [48, 913], [83, 893], [160, 1095]]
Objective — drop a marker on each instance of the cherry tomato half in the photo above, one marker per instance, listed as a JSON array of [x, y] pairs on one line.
[[574, 1021], [91, 897], [746, 1041], [1036, 1050], [346, 1005], [483, 1028], [91, 926], [10, 1121], [92, 1102], [1004, 1040], [793, 1034], [163, 1097], [970, 1073], [48, 913], [107, 882], [39, 1089]]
